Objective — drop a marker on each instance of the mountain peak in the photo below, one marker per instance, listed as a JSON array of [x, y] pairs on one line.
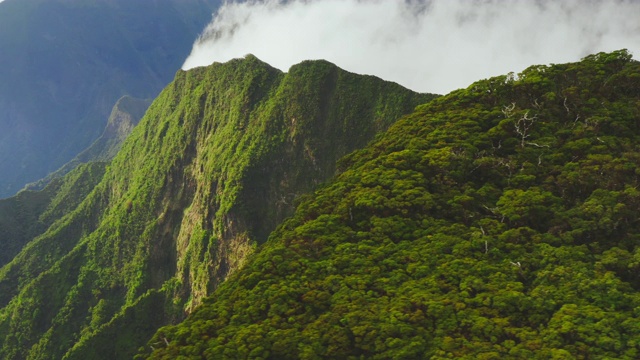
[[498, 221], [219, 159]]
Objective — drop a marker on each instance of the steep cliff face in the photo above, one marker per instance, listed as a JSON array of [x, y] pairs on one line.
[[499, 221], [218, 160]]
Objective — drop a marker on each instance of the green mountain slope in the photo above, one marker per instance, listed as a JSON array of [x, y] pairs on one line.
[[125, 115], [499, 221], [64, 63], [216, 163], [30, 213]]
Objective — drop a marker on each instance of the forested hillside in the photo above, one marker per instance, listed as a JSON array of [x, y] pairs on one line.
[[217, 162], [499, 221], [29, 213]]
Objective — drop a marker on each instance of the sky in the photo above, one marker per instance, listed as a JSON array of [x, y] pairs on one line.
[[429, 46]]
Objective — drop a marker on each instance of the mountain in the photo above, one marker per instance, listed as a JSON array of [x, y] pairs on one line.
[[64, 63], [499, 221], [125, 115], [220, 158], [29, 213]]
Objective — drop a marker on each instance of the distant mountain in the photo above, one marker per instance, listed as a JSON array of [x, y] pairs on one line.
[[64, 63], [497, 222], [125, 115], [221, 157]]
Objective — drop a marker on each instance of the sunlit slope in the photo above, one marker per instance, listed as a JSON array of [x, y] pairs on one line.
[[216, 163], [499, 221]]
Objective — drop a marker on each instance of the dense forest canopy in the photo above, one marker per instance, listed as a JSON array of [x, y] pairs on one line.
[[498, 221], [323, 214]]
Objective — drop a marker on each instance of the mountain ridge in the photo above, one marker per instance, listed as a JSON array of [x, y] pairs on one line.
[[183, 187], [498, 221]]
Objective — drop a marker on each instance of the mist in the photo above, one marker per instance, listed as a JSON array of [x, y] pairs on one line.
[[428, 46]]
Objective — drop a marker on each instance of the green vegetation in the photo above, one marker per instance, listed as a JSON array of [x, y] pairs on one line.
[[215, 164], [30, 213], [499, 221]]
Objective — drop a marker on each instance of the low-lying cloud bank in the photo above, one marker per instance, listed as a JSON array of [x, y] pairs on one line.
[[430, 46]]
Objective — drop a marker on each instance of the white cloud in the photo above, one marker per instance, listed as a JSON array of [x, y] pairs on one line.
[[430, 46]]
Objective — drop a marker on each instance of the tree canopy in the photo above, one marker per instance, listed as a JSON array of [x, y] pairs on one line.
[[499, 221]]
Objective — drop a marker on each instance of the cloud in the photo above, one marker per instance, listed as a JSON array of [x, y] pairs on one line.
[[429, 46]]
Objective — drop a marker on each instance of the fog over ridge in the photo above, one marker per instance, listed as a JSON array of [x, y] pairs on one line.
[[430, 46]]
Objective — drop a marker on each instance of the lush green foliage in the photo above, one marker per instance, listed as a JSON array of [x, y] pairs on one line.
[[30, 213], [500, 221], [214, 165]]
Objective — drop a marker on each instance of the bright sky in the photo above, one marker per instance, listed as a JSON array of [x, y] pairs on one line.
[[429, 46]]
